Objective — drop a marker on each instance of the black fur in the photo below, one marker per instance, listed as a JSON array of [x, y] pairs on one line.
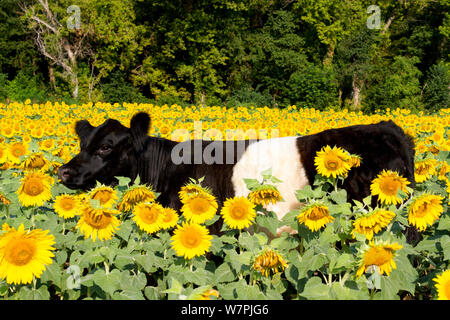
[[381, 146]]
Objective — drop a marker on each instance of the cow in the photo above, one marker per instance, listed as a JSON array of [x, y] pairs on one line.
[[111, 150]]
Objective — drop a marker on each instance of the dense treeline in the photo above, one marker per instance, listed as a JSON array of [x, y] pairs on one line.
[[356, 54]]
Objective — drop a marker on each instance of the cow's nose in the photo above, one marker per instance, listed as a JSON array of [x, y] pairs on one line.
[[64, 173]]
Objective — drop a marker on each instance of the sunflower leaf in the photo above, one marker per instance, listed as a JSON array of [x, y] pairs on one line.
[[316, 290]]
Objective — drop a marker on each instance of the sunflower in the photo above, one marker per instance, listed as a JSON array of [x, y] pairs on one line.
[[15, 151], [425, 210], [386, 186], [35, 161], [191, 190], [190, 240], [35, 189], [207, 294], [97, 223], [3, 153], [134, 195], [24, 253], [372, 223], [199, 208], [7, 131], [107, 196], [332, 162], [238, 212], [67, 206], [47, 144], [148, 216], [379, 255], [170, 218], [424, 169], [315, 216], [443, 285], [355, 161], [4, 199], [267, 261], [442, 172], [265, 194]]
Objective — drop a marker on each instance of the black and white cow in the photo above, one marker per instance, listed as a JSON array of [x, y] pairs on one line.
[[112, 150]]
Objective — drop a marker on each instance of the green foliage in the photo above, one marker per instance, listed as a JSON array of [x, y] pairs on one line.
[[436, 92], [26, 86], [118, 90], [309, 53], [397, 86], [314, 86], [247, 96]]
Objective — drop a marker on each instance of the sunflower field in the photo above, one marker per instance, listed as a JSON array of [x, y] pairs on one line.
[[120, 243]]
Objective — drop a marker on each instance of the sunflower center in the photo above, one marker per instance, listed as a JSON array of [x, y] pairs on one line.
[[67, 204], [422, 210], [20, 251], [421, 170], [17, 152], [97, 221], [238, 212], [317, 213], [190, 239], [37, 162], [167, 218], [33, 187], [377, 256], [332, 162], [199, 206], [390, 186], [149, 215], [103, 196]]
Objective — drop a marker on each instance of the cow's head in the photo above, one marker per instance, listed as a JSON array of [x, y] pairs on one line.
[[106, 151]]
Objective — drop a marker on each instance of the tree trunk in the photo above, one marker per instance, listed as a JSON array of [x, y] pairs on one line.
[[74, 80], [329, 56], [357, 85], [51, 76]]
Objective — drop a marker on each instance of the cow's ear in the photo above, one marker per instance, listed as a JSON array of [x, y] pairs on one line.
[[139, 125], [83, 129]]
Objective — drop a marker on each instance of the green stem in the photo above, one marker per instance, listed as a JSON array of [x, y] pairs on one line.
[[106, 267]]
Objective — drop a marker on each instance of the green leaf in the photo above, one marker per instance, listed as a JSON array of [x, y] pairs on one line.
[[132, 282], [125, 230], [128, 294], [269, 222], [444, 223], [152, 293], [224, 274], [445, 244], [266, 174], [316, 290], [107, 282], [41, 293], [123, 181], [343, 292], [176, 287], [251, 184], [305, 193]]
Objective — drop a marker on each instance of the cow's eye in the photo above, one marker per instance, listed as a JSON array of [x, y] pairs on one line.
[[104, 149]]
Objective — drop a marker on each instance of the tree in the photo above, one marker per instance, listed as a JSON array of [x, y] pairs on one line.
[[331, 20], [396, 86], [99, 33], [354, 56], [275, 52], [436, 91]]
